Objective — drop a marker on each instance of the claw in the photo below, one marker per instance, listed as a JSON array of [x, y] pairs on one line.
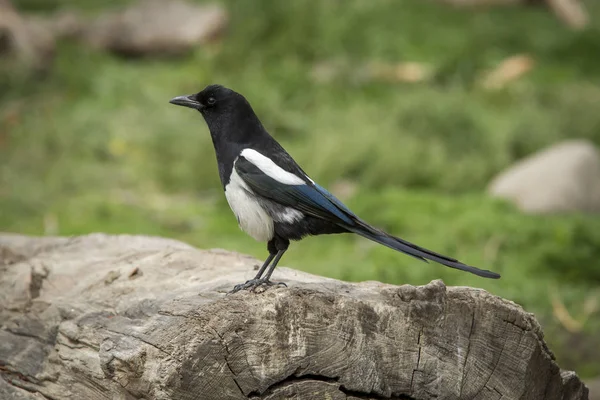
[[254, 284]]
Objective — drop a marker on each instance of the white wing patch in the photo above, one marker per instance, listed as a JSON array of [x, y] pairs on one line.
[[290, 215], [251, 216], [268, 167]]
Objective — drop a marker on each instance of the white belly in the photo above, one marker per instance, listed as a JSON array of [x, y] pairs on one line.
[[252, 218]]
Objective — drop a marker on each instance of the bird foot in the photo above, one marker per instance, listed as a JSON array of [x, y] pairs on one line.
[[254, 284]]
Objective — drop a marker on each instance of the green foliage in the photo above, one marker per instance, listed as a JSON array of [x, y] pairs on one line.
[[96, 147]]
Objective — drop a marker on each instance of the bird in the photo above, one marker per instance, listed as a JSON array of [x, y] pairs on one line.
[[271, 196]]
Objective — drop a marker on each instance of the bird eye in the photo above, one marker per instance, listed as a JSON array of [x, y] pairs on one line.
[[211, 101]]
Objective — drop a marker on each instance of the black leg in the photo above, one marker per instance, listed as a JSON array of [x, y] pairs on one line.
[[273, 265], [256, 280], [264, 266], [277, 246]]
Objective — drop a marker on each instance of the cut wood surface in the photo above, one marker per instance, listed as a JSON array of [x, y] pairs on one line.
[[132, 317]]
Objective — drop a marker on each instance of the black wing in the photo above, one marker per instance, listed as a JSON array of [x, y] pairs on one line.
[[309, 198], [315, 201]]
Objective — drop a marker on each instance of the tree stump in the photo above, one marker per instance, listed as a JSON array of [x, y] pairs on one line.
[[131, 317]]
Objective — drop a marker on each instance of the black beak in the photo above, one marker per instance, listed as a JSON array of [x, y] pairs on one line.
[[187, 101]]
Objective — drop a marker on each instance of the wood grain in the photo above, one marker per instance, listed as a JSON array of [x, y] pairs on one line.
[[132, 317]]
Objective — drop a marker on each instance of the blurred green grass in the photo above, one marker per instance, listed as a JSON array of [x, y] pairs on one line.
[[96, 147]]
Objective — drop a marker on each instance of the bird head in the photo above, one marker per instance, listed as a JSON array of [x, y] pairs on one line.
[[214, 99], [227, 113]]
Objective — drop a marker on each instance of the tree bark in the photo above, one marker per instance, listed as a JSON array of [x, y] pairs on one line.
[[131, 317]]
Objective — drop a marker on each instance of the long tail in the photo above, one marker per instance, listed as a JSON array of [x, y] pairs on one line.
[[371, 233]]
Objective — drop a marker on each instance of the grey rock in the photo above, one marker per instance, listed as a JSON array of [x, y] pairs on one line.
[[68, 24], [24, 47], [156, 28], [562, 178]]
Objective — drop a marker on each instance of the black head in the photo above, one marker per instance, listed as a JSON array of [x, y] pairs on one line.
[[214, 99], [228, 114], [232, 123]]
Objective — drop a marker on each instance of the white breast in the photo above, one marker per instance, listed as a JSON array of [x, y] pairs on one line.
[[252, 218]]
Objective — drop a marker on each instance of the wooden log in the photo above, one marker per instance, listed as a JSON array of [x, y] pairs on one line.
[[131, 317]]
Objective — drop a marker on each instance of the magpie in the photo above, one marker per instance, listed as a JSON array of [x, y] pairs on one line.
[[273, 199]]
